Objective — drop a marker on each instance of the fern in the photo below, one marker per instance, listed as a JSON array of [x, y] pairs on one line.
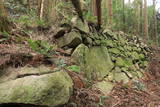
[[41, 47], [74, 68]]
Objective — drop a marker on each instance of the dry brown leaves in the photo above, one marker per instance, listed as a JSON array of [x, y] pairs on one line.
[[13, 54]]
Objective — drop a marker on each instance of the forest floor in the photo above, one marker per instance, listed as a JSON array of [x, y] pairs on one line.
[[15, 54]]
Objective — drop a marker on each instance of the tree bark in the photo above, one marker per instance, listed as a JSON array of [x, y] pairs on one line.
[[145, 22], [141, 18], [110, 14], [155, 38], [124, 20], [99, 13], [94, 8], [41, 10], [4, 23]]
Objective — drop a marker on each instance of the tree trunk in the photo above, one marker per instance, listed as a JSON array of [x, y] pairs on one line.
[[155, 24], [4, 23], [94, 8], [141, 18], [110, 14], [124, 20], [99, 13], [145, 22], [41, 9], [138, 16]]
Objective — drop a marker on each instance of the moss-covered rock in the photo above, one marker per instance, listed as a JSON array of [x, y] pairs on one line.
[[72, 39], [135, 55], [82, 26], [13, 73], [114, 51], [118, 76], [123, 62], [117, 56], [104, 86], [108, 43], [98, 63], [79, 54], [95, 61], [49, 90]]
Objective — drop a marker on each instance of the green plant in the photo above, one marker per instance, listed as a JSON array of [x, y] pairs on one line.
[[41, 47], [61, 63], [40, 22], [4, 33], [74, 68], [5, 36], [139, 85]]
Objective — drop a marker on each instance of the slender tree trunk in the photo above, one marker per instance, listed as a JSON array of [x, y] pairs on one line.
[[141, 17], [5, 25], [155, 23], [41, 9], [110, 14], [145, 22], [94, 8], [99, 13], [138, 17], [124, 20]]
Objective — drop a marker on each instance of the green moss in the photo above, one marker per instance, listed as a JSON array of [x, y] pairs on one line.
[[114, 51], [104, 86], [141, 56], [108, 43], [118, 76], [144, 64], [78, 56], [98, 63], [123, 62], [49, 90]]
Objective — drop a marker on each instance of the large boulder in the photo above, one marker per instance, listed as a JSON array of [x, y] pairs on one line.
[[51, 89], [12, 73], [94, 61], [98, 62]]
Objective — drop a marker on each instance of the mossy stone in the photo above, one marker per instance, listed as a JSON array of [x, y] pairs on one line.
[[109, 43], [72, 40], [98, 63], [141, 56], [123, 62], [104, 86], [135, 55], [114, 51], [118, 76], [48, 90], [79, 54]]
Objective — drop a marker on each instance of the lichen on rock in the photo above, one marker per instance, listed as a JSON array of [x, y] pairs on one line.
[[48, 90]]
